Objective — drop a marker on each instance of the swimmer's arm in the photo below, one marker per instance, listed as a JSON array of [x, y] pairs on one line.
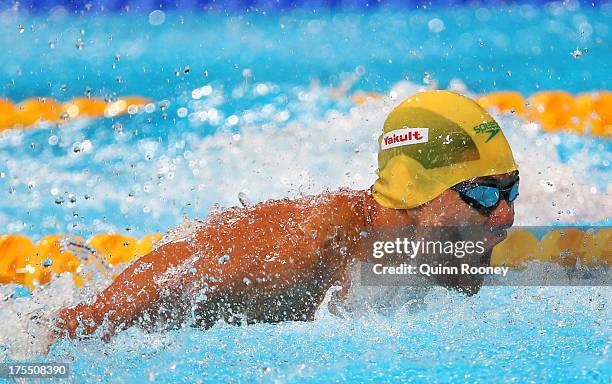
[[134, 291]]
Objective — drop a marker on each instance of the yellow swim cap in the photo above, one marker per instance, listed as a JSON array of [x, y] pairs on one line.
[[432, 141]]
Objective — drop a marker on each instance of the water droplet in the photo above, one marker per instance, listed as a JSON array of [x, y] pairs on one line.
[[182, 112], [164, 104], [435, 25], [47, 262], [244, 200], [576, 53], [157, 17], [59, 200], [12, 190], [206, 90], [20, 28], [224, 259], [247, 281], [232, 120], [79, 44], [132, 109], [118, 128]]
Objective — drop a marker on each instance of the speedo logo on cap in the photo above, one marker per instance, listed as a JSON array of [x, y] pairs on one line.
[[490, 127], [405, 136]]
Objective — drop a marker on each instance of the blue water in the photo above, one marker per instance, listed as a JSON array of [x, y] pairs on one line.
[[559, 335], [524, 48], [280, 98]]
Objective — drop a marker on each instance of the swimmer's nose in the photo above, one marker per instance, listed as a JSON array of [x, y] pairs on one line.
[[502, 216]]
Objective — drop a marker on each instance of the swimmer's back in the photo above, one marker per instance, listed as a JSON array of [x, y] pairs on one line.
[[275, 261]]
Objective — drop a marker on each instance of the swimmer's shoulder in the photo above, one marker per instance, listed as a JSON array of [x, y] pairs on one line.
[[340, 207], [334, 207]]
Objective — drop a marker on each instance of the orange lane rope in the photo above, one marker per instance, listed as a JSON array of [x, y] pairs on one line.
[[35, 110], [29, 264], [589, 113]]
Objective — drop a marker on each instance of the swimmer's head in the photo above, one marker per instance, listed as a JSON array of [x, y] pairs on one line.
[[432, 142]]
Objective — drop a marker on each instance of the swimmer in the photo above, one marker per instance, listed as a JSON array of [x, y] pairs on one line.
[[443, 161]]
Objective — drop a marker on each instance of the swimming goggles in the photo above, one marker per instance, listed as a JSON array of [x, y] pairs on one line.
[[485, 196]]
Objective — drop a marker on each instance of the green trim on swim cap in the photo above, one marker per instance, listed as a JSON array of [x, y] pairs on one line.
[[448, 143]]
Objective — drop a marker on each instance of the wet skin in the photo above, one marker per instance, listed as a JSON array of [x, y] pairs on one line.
[[267, 263]]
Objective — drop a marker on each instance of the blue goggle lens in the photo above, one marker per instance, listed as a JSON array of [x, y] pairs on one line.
[[513, 192], [484, 195]]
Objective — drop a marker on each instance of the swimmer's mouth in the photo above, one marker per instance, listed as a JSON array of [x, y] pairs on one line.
[[500, 232]]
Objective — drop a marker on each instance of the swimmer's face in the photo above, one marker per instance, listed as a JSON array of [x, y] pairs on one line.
[[452, 208]]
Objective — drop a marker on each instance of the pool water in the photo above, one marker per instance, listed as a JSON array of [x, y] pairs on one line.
[[260, 104]]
